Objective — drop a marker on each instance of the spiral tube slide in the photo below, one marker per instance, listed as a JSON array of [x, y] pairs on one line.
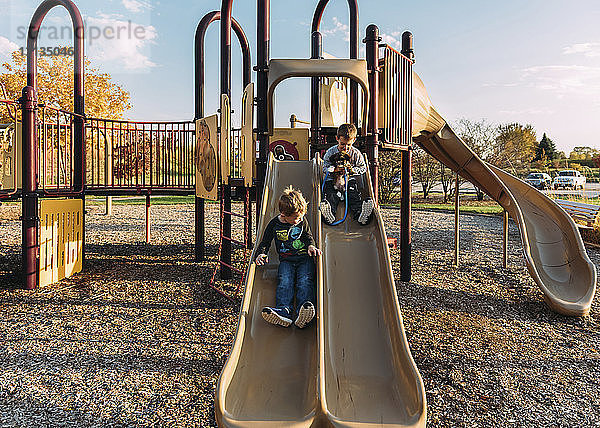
[[552, 246]]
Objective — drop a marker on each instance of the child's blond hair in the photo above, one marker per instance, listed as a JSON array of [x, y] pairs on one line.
[[292, 202]]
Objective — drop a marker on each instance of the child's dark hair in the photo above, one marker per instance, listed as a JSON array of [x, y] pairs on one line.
[[291, 202], [347, 130]]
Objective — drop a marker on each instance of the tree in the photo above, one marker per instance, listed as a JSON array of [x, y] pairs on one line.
[[446, 180], [390, 167], [545, 149], [480, 136], [103, 98], [513, 146], [425, 170], [583, 153]]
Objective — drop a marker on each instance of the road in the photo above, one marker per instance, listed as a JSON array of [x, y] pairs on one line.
[[591, 190]]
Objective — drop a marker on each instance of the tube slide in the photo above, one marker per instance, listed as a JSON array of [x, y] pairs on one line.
[[351, 368], [553, 249]]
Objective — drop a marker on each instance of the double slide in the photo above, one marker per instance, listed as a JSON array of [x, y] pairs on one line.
[[352, 367]]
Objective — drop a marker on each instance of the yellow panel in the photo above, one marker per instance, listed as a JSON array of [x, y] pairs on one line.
[[247, 136], [225, 139], [206, 157], [289, 143], [61, 230]]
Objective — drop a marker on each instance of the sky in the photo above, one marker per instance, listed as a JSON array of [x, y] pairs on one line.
[[528, 61]]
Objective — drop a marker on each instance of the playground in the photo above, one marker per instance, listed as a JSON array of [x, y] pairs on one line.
[[136, 340], [117, 313]]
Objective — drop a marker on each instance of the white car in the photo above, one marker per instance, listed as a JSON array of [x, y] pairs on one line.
[[539, 180], [569, 179]]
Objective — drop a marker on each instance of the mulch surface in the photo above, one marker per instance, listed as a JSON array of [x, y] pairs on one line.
[[139, 339]]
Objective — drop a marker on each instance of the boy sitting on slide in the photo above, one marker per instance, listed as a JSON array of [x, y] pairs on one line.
[[342, 163], [295, 245]]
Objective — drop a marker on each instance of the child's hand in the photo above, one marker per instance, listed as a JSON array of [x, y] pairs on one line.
[[314, 251], [261, 259]]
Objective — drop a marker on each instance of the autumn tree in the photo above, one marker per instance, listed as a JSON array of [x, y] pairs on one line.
[[103, 97], [514, 146], [583, 153]]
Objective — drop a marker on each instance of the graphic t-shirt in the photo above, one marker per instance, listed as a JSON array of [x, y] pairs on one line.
[[291, 241]]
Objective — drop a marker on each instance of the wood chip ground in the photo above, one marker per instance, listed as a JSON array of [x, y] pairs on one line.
[[139, 340]]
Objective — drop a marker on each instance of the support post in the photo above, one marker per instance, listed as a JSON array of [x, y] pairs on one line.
[[372, 52], [147, 218], [262, 81], [29, 199], [199, 203], [505, 239], [316, 41], [406, 163], [226, 230], [456, 220], [248, 217]]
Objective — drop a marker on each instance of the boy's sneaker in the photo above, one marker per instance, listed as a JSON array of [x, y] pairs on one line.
[[365, 213], [277, 316], [325, 208], [305, 315]]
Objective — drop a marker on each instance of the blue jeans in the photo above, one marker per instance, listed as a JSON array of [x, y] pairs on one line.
[[302, 273]]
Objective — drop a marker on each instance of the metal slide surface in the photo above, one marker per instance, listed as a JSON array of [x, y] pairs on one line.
[[367, 375], [552, 246], [270, 377], [352, 368]]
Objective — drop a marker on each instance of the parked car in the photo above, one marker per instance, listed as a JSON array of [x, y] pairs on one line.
[[539, 180], [569, 179]]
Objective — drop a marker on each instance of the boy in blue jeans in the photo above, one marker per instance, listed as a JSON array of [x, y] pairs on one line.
[[295, 246]]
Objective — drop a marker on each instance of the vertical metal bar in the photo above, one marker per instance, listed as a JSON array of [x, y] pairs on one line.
[[456, 220], [29, 204], [315, 93], [505, 239], [372, 40], [147, 218], [262, 59], [151, 155], [406, 115]]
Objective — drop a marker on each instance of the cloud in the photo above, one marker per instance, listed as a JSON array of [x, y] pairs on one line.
[[121, 42], [136, 6], [392, 40], [7, 47], [338, 28], [528, 111], [591, 49], [563, 79]]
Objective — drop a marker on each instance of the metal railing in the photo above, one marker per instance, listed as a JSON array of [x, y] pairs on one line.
[[394, 98], [140, 156], [56, 149], [122, 157]]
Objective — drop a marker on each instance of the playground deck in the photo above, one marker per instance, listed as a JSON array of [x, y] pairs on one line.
[[135, 340]]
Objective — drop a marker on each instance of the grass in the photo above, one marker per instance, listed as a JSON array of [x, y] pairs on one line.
[[141, 200]]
